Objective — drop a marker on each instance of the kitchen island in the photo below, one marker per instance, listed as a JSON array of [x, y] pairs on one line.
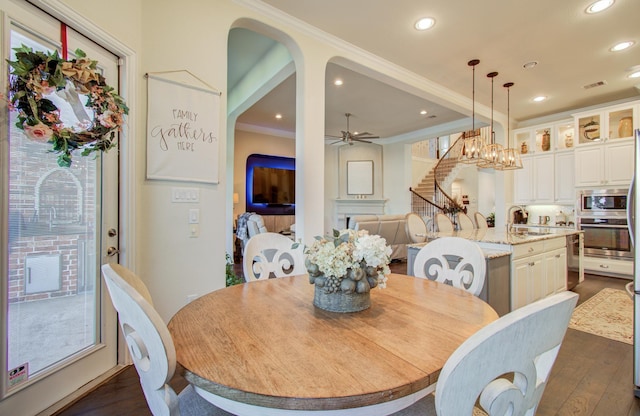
[[522, 266]]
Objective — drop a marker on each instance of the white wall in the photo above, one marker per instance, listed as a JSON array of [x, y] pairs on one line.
[[331, 186], [486, 192], [397, 178]]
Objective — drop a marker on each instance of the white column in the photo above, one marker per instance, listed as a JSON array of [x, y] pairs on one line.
[[310, 91]]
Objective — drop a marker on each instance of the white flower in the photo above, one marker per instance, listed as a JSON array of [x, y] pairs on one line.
[[348, 250]]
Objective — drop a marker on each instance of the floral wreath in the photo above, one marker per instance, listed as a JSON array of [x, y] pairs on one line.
[[37, 74]]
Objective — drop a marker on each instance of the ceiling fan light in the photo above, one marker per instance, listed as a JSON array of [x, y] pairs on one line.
[[634, 75]]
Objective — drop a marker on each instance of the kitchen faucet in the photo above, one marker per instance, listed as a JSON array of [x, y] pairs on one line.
[[510, 219]]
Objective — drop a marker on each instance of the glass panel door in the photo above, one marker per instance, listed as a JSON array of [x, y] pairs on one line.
[[60, 330]]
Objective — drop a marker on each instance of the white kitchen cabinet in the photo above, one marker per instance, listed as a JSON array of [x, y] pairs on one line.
[[608, 267], [534, 183], [607, 124], [564, 173], [537, 270], [608, 164], [525, 280], [555, 264]]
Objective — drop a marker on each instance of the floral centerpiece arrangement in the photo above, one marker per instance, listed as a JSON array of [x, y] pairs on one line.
[[348, 263], [36, 75]]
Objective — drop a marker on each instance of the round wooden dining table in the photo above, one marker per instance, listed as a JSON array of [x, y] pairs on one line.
[[263, 348]]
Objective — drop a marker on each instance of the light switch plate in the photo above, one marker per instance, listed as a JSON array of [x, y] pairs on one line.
[[185, 195], [194, 216]]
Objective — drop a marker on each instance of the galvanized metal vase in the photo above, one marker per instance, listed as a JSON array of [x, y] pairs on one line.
[[342, 302]]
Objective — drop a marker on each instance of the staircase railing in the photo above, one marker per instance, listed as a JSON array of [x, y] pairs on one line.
[[441, 197], [422, 206]]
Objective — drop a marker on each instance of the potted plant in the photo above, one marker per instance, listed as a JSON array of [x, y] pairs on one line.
[[491, 219], [231, 278]]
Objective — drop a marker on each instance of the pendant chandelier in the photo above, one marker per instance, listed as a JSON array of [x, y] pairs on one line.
[[492, 153], [473, 142], [511, 156]]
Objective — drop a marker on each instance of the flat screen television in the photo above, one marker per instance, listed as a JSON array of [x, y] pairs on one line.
[[271, 185]]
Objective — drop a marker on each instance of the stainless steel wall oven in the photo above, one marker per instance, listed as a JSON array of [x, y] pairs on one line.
[[602, 217]]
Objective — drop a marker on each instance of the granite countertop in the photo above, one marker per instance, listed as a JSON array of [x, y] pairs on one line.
[[500, 236]]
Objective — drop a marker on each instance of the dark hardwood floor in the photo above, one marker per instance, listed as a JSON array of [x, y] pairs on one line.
[[592, 375]]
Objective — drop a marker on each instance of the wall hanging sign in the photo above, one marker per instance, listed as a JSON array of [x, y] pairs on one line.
[[360, 177], [182, 130]]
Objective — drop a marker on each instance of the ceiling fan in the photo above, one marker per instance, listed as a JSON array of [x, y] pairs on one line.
[[348, 137]]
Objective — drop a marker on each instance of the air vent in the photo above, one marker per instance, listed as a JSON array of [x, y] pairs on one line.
[[595, 84]]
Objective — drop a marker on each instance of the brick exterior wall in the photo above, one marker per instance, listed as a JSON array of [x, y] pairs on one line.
[[52, 211]]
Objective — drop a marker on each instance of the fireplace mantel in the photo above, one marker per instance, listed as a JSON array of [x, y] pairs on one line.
[[346, 208]]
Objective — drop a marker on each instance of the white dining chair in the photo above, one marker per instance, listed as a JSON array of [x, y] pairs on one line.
[[416, 228], [481, 221], [151, 346], [272, 254], [506, 364], [443, 223], [465, 222], [452, 260]]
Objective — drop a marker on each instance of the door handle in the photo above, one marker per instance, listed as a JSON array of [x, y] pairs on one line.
[[112, 251]]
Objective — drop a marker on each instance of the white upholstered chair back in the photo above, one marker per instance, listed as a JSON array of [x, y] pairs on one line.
[[272, 253], [465, 222], [481, 221], [443, 223], [255, 225], [416, 228], [151, 346], [452, 260], [505, 366]]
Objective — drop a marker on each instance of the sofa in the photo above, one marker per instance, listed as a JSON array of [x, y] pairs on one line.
[[393, 228]]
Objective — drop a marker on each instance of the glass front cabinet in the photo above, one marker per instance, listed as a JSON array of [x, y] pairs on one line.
[[604, 145], [608, 124]]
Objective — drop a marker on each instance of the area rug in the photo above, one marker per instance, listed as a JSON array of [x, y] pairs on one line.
[[609, 314]]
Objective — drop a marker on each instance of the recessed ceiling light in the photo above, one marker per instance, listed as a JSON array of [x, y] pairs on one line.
[[278, 116], [530, 64], [337, 82], [423, 112], [599, 6], [634, 75], [539, 98], [425, 23], [621, 46]]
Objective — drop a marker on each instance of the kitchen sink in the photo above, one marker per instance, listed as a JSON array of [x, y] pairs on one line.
[[532, 231]]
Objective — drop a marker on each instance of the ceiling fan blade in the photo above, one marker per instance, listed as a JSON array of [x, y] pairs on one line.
[[359, 140], [337, 141], [366, 135], [330, 135]]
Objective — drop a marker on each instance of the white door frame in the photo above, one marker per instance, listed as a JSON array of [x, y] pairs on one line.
[[127, 207]]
